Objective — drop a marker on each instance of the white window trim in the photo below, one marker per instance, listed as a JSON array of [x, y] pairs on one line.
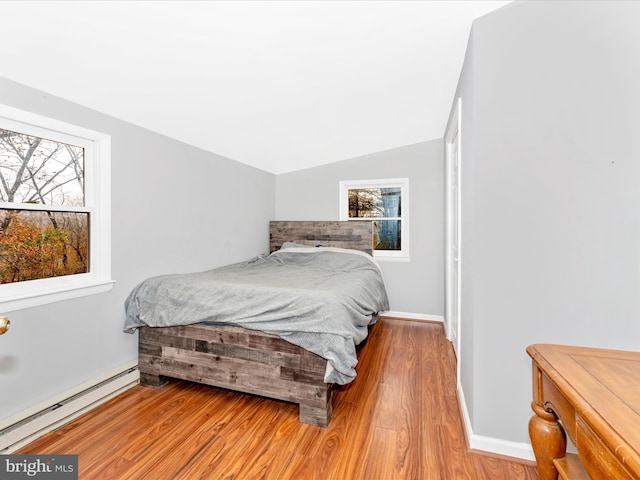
[[385, 255], [97, 177]]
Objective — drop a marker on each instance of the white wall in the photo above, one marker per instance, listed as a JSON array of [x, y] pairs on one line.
[[551, 195], [175, 208], [417, 286]]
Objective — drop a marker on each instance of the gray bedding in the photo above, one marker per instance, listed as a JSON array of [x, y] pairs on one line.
[[322, 299]]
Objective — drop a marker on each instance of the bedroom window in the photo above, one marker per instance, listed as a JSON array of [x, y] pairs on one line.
[[386, 204], [54, 210]]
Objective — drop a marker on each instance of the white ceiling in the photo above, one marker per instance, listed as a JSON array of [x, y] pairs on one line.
[[279, 85]]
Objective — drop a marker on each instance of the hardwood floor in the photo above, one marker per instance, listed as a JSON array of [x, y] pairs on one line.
[[398, 420]]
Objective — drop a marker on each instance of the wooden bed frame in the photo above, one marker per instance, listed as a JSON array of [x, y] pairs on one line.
[[247, 360]]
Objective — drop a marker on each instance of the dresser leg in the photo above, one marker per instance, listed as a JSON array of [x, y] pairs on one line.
[[548, 441]]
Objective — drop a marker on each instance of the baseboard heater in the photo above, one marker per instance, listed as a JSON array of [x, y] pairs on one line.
[[43, 419]]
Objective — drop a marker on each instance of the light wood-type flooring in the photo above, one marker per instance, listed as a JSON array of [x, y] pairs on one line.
[[398, 420]]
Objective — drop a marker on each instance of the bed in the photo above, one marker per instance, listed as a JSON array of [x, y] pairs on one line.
[[291, 334]]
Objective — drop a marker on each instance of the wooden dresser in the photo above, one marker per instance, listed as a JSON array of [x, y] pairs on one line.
[[593, 397]]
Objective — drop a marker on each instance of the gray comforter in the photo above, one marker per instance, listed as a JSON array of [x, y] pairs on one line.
[[321, 299]]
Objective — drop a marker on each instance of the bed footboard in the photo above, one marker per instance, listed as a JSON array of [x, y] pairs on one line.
[[238, 359]]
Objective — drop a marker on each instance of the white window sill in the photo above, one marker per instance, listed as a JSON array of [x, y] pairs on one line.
[[392, 259], [40, 297]]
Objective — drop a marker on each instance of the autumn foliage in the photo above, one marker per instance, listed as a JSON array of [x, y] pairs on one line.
[[44, 227], [29, 251]]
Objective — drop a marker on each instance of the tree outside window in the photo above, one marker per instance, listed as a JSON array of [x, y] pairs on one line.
[[44, 225], [383, 205]]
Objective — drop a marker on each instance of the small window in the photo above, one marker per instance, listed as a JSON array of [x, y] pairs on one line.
[[386, 204], [54, 210]]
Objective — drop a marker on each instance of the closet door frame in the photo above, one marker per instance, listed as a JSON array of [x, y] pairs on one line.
[[453, 233]]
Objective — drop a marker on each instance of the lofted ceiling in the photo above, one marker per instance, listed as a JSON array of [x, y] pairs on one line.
[[278, 85]]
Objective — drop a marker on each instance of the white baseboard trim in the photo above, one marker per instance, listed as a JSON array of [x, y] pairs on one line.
[[25, 427], [491, 445], [413, 316]]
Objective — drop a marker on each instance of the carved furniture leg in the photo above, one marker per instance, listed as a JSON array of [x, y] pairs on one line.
[[548, 441]]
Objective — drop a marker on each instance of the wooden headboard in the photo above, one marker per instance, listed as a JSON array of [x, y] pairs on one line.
[[355, 235]]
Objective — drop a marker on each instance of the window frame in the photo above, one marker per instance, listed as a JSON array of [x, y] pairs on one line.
[[97, 183], [402, 255]]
